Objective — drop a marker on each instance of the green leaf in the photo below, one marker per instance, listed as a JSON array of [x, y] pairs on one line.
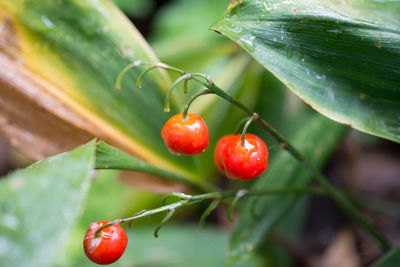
[[40, 205], [74, 50], [391, 259], [342, 58], [108, 157], [316, 139]]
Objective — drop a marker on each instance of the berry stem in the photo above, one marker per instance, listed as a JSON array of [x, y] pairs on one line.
[[207, 212], [123, 73], [142, 74], [166, 218], [238, 196], [186, 76], [248, 122], [240, 125], [140, 63], [185, 86], [186, 109]]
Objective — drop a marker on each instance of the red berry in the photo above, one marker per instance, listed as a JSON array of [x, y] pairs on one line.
[[245, 161], [185, 136], [108, 247], [219, 150]]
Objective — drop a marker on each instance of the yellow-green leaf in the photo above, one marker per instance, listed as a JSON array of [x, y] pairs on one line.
[[74, 50]]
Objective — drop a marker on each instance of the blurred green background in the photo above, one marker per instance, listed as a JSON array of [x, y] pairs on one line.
[[311, 231]]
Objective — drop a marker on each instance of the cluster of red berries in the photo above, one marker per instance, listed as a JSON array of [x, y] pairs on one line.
[[238, 159]]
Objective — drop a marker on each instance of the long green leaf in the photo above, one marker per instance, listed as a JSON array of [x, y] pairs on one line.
[[316, 139], [40, 205], [342, 58], [75, 49]]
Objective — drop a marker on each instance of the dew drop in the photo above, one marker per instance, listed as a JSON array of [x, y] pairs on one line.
[[46, 21], [247, 40], [335, 31]]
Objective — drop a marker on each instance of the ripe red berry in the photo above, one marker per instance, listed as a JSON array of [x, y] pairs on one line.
[[185, 136], [108, 247], [245, 161], [219, 150]]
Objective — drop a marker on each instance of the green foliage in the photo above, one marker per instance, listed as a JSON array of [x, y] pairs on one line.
[[92, 36], [391, 259], [340, 57], [40, 205], [83, 45]]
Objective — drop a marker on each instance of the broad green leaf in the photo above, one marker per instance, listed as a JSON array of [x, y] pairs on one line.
[[108, 157], [341, 57], [74, 50], [391, 259], [40, 205], [316, 139]]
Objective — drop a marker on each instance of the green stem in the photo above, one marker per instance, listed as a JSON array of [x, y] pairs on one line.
[[176, 82], [240, 125], [249, 121], [186, 109], [166, 218], [123, 73], [141, 75], [187, 200], [336, 194], [238, 196], [207, 212], [185, 86]]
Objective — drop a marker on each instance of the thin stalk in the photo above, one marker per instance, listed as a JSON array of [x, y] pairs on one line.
[[141, 75], [187, 200], [249, 121], [176, 82], [240, 125], [207, 212], [185, 86], [186, 109], [238, 196], [123, 73]]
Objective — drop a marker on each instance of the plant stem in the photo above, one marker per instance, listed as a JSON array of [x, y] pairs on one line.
[[335, 193], [186, 200], [246, 126], [186, 109], [184, 77]]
